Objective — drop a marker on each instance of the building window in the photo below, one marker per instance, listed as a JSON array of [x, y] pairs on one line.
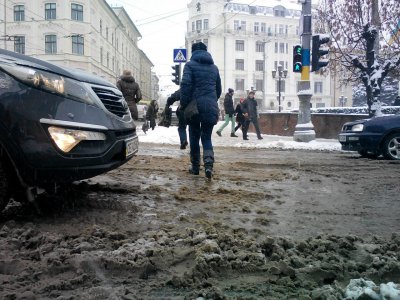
[[281, 47], [19, 44], [260, 46], [259, 65], [108, 59], [77, 44], [243, 25], [256, 27], [260, 85], [50, 11], [101, 27], [205, 24], [276, 47], [239, 84], [107, 33], [239, 45], [239, 64], [236, 25], [198, 25], [318, 87], [76, 12], [263, 27], [282, 86], [101, 55], [193, 26], [281, 63], [19, 13], [281, 29], [50, 44]]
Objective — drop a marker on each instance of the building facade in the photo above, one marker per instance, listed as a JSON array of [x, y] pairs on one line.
[[249, 42], [86, 34]]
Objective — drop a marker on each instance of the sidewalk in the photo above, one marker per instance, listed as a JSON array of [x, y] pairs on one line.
[[163, 135]]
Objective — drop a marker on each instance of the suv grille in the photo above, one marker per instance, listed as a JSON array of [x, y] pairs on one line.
[[113, 102]]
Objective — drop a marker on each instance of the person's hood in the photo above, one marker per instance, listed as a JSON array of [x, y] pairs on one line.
[[127, 78], [27, 61], [202, 57]]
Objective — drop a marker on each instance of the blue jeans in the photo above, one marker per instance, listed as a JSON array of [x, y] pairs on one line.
[[182, 132], [203, 131]]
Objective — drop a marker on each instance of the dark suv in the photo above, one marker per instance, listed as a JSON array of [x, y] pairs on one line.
[[57, 125]]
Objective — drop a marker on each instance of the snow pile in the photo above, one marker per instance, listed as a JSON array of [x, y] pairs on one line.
[[368, 290]]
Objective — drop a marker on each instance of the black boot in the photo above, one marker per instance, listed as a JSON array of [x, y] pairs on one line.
[[208, 158], [233, 134], [195, 160]]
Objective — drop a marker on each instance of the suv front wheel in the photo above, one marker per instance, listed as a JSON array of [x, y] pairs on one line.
[[5, 186]]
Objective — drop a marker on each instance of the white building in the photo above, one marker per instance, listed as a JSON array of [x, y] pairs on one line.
[[247, 42], [85, 34]]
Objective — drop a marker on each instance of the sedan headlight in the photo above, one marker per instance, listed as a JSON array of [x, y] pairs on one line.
[[67, 139], [51, 83], [357, 127]]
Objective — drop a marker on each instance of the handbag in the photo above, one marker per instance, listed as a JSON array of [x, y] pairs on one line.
[[190, 112]]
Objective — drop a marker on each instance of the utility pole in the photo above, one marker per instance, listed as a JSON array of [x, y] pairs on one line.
[[304, 131]]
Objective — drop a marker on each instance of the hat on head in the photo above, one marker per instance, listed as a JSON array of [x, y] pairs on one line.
[[199, 46], [251, 92], [230, 90], [126, 73]]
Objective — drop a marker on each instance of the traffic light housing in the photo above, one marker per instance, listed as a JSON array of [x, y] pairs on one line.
[[297, 59], [316, 61], [176, 74]]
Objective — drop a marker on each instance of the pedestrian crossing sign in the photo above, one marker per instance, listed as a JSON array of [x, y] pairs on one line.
[[179, 55]]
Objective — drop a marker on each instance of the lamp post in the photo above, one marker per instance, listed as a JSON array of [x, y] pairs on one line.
[[281, 74]]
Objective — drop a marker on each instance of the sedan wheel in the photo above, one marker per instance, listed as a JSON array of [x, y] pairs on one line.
[[391, 146]]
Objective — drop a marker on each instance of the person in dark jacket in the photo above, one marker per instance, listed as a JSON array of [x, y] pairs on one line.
[[201, 82], [151, 113], [131, 91], [229, 113], [251, 114], [240, 119], [176, 96]]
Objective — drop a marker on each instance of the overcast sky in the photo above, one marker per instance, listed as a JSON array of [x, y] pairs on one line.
[[162, 24]]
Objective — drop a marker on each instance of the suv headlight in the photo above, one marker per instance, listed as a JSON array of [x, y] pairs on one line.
[[51, 83], [357, 127]]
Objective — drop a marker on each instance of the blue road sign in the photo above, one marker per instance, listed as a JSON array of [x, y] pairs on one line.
[[179, 55]]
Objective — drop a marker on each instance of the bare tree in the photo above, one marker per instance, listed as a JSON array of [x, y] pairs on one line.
[[365, 40]]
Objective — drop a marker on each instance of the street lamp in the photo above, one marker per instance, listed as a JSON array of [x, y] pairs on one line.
[[281, 74]]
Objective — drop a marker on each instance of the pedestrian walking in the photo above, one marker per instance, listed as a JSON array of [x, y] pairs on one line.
[[201, 82], [131, 91], [240, 119], [251, 114], [229, 113], [151, 114], [176, 96]]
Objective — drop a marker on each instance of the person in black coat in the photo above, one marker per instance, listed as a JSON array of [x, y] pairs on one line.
[[176, 96], [229, 113], [240, 119], [151, 113], [251, 114], [201, 82]]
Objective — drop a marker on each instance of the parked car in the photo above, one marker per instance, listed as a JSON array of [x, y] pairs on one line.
[[373, 137], [57, 125]]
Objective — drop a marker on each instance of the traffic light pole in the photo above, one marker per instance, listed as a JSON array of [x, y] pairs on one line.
[[304, 131]]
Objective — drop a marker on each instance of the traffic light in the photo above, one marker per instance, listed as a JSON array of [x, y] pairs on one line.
[[297, 58], [316, 61], [176, 74]]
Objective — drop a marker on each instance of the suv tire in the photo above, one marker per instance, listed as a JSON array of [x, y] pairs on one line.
[[4, 186], [391, 146]]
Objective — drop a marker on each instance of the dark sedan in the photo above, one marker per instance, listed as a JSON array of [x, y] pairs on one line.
[[373, 137], [57, 125]]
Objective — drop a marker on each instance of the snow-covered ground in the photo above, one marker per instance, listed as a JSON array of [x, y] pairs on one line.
[[169, 136]]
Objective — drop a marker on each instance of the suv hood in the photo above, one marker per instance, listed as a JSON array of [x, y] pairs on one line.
[[23, 60]]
